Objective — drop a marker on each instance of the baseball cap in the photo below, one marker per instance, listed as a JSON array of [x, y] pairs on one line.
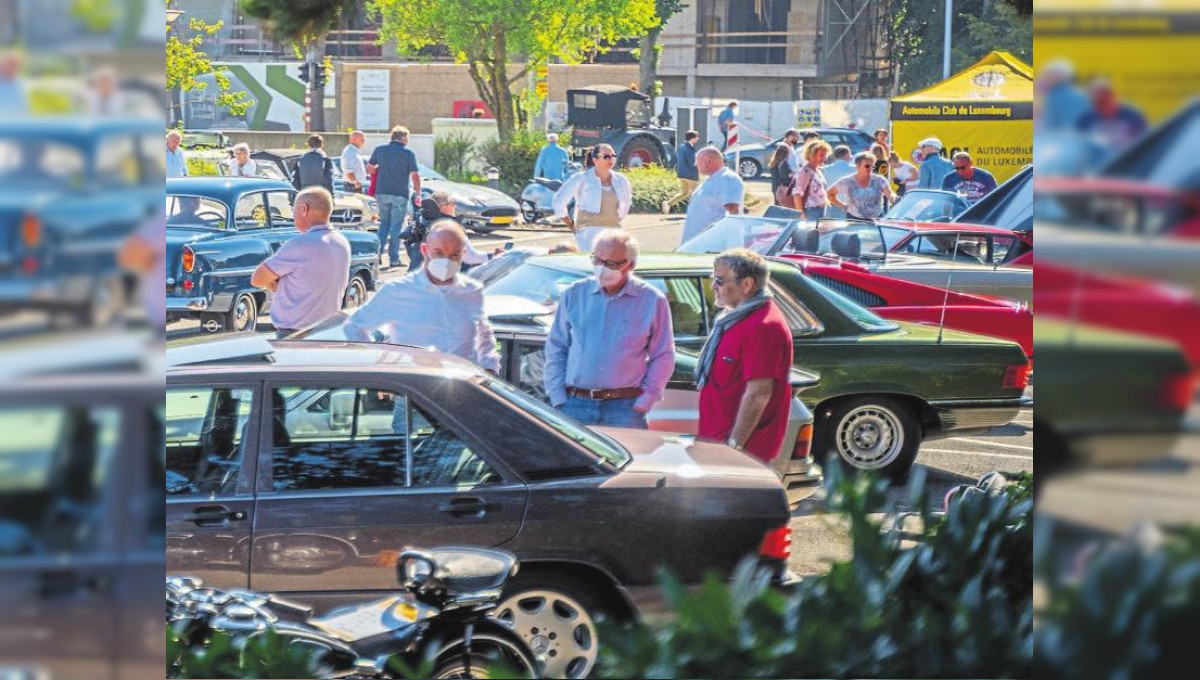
[[931, 141]]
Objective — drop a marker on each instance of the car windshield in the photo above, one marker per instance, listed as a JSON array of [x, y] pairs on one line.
[[543, 285], [41, 163], [758, 234], [868, 320], [927, 206], [429, 173], [851, 239], [196, 211], [638, 113], [598, 444]]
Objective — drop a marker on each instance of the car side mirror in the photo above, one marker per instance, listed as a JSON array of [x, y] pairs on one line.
[[341, 410]]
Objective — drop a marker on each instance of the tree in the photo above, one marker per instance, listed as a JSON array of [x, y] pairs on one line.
[[490, 35], [649, 49], [186, 63], [306, 23]]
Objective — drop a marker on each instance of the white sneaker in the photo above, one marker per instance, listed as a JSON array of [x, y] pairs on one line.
[[666, 207]]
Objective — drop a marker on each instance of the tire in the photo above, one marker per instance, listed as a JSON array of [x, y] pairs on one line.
[[104, 306], [492, 653], [243, 317], [641, 148], [556, 617], [356, 293], [749, 168], [873, 433]]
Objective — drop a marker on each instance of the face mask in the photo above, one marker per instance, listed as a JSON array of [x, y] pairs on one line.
[[608, 277], [443, 269]]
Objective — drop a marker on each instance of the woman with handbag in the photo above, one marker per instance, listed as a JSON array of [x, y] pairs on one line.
[[781, 175], [808, 191], [602, 197]]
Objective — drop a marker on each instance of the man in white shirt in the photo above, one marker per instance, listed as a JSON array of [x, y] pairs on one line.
[[242, 165], [721, 194], [434, 306], [354, 168]]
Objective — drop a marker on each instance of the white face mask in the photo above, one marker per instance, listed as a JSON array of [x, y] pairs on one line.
[[608, 277], [443, 268]]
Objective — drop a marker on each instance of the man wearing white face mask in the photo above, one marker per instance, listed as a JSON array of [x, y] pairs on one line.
[[611, 349], [433, 306]]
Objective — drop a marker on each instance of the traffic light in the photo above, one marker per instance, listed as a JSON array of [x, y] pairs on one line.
[[321, 75], [304, 72]]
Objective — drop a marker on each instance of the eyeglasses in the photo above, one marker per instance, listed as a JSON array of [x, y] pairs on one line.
[[722, 281], [606, 156], [610, 264]]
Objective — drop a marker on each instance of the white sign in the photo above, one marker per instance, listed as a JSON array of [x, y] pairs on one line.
[[374, 99]]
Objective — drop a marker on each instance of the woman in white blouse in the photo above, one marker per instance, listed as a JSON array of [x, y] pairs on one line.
[[602, 197]]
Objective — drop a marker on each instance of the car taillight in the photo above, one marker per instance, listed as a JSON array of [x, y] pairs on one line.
[[1016, 377], [31, 231], [188, 285], [777, 543], [803, 443], [1177, 392], [189, 259], [29, 265]]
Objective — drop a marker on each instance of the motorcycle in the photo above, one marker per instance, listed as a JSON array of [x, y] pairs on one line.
[[441, 614], [537, 198]]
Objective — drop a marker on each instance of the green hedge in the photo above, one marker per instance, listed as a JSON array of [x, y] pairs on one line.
[[514, 159], [651, 186]]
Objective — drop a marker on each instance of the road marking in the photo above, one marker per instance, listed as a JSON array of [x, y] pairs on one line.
[[986, 442], [976, 453]]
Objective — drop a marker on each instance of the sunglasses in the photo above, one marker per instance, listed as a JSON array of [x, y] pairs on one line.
[[962, 167], [722, 281], [606, 156], [610, 264]]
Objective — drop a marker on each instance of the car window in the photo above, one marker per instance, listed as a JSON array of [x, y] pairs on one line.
[[1000, 247], [54, 462], [359, 438], [249, 212], [154, 161], [951, 247], [281, 206], [195, 211], [543, 285], [117, 164], [687, 304], [599, 445], [800, 318], [204, 440], [531, 369], [26, 162]]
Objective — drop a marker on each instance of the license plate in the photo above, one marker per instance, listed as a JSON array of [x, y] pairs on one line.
[[503, 220]]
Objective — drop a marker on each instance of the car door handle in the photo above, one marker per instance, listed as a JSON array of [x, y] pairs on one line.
[[214, 515], [464, 507]]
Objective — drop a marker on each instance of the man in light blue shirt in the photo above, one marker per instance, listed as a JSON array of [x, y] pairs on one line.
[[611, 349], [934, 166], [176, 160], [552, 160], [12, 95]]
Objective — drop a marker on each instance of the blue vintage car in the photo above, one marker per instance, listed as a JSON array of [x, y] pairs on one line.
[[71, 190], [219, 230]]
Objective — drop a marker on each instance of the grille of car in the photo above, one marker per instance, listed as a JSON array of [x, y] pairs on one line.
[[862, 297], [500, 212]]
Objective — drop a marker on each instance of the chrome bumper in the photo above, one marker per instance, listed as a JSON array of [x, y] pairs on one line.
[[35, 290], [182, 304]]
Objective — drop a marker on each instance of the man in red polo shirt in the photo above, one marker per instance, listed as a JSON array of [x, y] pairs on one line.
[[743, 372]]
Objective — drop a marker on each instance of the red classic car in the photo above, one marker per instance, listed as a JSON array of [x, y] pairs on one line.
[[1123, 206]]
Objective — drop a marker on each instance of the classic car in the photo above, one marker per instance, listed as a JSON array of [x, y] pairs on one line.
[[412, 447], [71, 190], [1010, 206], [926, 205], [963, 258], [753, 157], [220, 230], [885, 385]]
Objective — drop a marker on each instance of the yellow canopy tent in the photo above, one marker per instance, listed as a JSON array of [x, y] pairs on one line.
[[986, 109]]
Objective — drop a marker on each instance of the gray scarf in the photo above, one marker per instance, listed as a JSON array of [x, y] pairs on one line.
[[724, 321]]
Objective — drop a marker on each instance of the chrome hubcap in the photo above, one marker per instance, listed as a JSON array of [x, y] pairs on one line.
[[561, 633], [748, 169], [870, 437], [243, 314]]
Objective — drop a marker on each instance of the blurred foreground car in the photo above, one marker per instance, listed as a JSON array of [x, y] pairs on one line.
[[885, 386], [71, 190], [303, 468], [220, 230]]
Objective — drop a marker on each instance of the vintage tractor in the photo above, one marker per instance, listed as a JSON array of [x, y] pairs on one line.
[[623, 118]]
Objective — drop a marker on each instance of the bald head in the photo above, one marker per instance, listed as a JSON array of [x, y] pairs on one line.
[[173, 139], [357, 138], [447, 237], [709, 160], [313, 207]]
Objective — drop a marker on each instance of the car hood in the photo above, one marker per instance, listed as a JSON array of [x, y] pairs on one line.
[[684, 458], [471, 193]]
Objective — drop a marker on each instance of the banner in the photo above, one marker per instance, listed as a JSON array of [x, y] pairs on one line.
[[1000, 148], [373, 99]]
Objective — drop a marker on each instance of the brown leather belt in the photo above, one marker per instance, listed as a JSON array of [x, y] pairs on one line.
[[618, 393]]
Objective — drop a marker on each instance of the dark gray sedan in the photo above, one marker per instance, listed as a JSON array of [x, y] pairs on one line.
[[304, 467]]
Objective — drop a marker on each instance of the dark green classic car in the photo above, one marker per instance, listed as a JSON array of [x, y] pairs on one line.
[[885, 386]]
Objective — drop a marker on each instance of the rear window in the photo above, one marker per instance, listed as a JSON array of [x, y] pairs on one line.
[[196, 211], [596, 443]]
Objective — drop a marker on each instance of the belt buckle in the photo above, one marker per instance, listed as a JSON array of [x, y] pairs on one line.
[[596, 395]]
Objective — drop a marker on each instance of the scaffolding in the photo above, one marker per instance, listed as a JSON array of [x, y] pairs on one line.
[[852, 46]]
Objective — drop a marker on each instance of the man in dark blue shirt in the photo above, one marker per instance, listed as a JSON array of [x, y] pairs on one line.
[[971, 182], [685, 170], [1109, 122], [397, 176]]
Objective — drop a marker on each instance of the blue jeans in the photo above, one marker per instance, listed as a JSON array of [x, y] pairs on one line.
[[814, 214], [415, 258], [612, 412], [392, 212]]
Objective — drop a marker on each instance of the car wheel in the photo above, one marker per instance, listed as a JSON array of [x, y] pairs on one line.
[[104, 306], [749, 168], [556, 617], [642, 149], [356, 293], [244, 315], [873, 433]]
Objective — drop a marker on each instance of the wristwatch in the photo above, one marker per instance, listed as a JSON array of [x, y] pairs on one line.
[[732, 443]]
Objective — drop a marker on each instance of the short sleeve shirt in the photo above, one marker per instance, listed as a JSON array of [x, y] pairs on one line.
[[313, 270], [864, 202], [396, 164], [981, 184], [707, 203], [760, 346], [352, 162], [815, 179]]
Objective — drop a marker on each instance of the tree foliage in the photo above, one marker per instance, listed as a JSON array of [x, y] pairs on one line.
[[492, 36], [187, 62]]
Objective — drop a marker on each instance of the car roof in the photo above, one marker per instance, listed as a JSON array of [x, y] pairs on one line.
[[240, 352], [223, 187]]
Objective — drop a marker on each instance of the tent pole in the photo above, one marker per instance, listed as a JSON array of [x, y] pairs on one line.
[[946, 41]]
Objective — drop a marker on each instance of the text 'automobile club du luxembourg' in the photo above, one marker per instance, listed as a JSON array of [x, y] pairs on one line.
[[961, 111]]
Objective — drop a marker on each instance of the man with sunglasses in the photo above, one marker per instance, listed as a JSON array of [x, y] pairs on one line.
[[969, 181], [611, 349]]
